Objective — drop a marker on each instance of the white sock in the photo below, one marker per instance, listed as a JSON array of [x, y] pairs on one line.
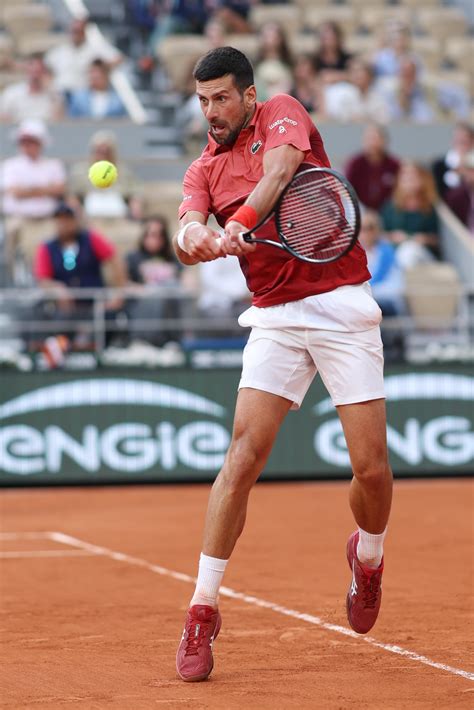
[[370, 548], [211, 571]]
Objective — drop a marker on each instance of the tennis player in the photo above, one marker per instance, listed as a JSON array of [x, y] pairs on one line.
[[304, 318]]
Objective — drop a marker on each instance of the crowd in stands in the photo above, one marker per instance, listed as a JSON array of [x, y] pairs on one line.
[[400, 228]]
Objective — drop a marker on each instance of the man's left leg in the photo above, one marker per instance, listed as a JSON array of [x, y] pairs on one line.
[[370, 498]]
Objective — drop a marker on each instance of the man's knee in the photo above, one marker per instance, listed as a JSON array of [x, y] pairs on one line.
[[244, 463], [373, 473]]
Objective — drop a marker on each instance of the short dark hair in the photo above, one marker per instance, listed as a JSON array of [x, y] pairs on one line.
[[222, 61]]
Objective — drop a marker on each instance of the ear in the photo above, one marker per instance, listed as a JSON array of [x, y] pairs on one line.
[[250, 96]]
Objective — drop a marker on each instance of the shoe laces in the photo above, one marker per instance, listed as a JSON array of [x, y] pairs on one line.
[[371, 585], [196, 634]]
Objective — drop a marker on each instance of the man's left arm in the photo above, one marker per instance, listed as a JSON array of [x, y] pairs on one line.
[[279, 166]]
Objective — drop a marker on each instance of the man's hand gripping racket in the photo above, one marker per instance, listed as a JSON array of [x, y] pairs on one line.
[[317, 217]]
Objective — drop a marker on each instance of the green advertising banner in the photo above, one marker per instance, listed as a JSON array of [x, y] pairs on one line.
[[172, 425]]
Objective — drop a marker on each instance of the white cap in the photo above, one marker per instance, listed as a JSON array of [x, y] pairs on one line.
[[33, 128]]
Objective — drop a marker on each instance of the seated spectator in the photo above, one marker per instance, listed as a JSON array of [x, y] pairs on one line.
[[274, 62], [331, 59], [461, 198], [406, 97], [373, 171], [386, 61], [305, 83], [410, 218], [223, 290], [99, 100], [445, 169], [73, 258], [357, 99], [153, 264], [122, 199], [387, 280], [33, 98], [31, 183], [69, 62]]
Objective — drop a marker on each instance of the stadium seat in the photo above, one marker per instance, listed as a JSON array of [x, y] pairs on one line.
[[288, 16], [433, 292], [179, 53], [6, 51], [430, 52], [460, 52], [26, 19], [374, 18], [416, 4], [442, 23], [39, 42], [246, 43], [163, 198], [345, 16], [306, 43], [124, 233]]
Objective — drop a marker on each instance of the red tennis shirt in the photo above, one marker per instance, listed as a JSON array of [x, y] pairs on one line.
[[222, 178]]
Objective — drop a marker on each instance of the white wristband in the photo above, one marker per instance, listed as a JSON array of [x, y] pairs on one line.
[[181, 233]]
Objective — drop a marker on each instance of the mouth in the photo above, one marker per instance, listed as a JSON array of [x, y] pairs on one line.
[[218, 130]]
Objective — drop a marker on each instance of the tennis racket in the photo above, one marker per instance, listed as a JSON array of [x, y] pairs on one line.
[[317, 217]]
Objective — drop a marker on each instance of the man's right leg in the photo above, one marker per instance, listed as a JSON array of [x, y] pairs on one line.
[[258, 417]]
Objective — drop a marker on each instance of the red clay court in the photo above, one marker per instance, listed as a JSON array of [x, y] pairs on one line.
[[95, 583]]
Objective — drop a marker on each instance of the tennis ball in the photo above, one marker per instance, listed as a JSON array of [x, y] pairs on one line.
[[102, 174]]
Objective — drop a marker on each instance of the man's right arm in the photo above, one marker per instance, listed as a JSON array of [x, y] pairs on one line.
[[199, 242]]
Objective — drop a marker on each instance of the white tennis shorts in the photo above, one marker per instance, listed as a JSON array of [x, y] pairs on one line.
[[336, 334]]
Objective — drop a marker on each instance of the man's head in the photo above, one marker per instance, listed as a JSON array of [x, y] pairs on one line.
[[66, 222], [77, 31], [224, 85], [32, 136], [36, 71], [374, 140], [98, 75], [369, 229], [103, 145]]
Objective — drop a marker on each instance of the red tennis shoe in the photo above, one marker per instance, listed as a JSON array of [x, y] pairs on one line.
[[365, 593], [194, 659]]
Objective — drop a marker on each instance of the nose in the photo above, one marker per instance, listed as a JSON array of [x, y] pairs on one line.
[[211, 111]]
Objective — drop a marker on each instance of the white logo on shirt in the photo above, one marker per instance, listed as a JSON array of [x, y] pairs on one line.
[[187, 197], [280, 121], [282, 129]]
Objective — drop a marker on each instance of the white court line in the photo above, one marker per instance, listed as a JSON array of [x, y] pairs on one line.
[[21, 554], [25, 536], [255, 601]]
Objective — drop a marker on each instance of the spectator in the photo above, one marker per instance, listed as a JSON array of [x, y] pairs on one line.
[[153, 264], [405, 95], [445, 169], [305, 83], [273, 66], [461, 198], [357, 99], [99, 100], [331, 59], [373, 171], [70, 61], [223, 293], [410, 219], [386, 61], [33, 98], [73, 258], [32, 184], [122, 198], [386, 281]]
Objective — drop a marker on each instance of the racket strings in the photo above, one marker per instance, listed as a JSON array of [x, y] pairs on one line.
[[317, 217]]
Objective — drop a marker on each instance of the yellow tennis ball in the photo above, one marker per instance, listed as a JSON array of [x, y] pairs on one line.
[[102, 174]]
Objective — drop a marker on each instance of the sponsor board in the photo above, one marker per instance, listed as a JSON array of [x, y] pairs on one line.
[[174, 426]]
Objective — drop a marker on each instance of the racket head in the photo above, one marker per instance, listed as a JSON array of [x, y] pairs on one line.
[[318, 216]]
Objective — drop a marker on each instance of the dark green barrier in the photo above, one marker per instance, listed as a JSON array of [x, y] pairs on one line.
[[176, 425]]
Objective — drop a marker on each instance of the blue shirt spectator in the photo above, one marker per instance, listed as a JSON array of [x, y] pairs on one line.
[[99, 100]]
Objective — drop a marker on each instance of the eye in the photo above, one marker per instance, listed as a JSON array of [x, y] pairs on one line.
[[221, 99]]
